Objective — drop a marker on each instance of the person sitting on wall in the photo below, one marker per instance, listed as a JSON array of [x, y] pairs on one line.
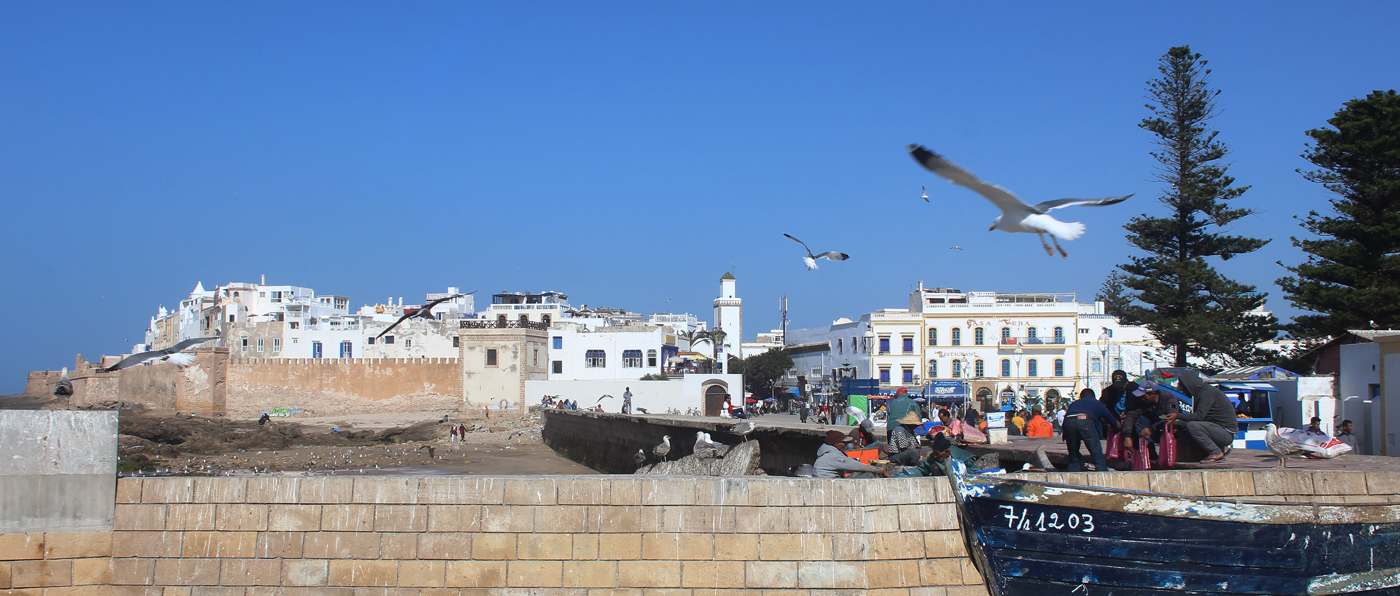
[[903, 447], [832, 460]]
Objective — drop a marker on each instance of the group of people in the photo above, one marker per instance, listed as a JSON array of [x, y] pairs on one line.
[[1144, 413], [901, 442], [562, 404], [457, 433]]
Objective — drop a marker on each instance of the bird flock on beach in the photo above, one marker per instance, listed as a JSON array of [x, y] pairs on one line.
[[1017, 216]]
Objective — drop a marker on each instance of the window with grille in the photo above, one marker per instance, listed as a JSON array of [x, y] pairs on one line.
[[957, 368], [932, 369], [908, 344], [595, 359], [908, 375], [978, 337], [957, 336], [884, 345], [1005, 367], [1032, 368], [885, 376], [979, 369], [1059, 367], [932, 337], [1059, 335], [631, 359], [651, 358]]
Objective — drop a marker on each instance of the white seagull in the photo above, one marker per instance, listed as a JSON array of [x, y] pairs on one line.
[[172, 354], [924, 194], [742, 428], [811, 260], [1279, 446], [664, 448], [1016, 215]]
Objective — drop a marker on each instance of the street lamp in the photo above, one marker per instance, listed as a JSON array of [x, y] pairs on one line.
[[1103, 342], [1017, 355]]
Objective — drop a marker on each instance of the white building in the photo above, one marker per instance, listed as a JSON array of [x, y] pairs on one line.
[[608, 353]]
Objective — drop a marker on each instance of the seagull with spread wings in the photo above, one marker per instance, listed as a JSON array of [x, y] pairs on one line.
[[423, 313], [172, 354], [811, 260], [1016, 215]]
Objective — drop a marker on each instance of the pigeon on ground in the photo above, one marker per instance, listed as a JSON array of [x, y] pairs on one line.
[[811, 260], [1279, 446], [426, 312], [664, 448], [172, 354], [1016, 215]]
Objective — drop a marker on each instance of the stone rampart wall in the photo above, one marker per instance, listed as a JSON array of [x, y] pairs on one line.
[[561, 535], [369, 378]]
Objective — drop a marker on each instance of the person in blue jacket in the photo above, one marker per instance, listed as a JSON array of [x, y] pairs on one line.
[[1084, 423]]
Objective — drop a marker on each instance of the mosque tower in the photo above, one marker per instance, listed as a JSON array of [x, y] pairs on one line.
[[729, 316]]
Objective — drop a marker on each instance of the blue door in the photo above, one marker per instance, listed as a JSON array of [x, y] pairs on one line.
[[315, 349], [346, 350]]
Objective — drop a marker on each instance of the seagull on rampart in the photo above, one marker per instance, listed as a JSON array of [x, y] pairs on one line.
[[1016, 215], [426, 312], [742, 428], [811, 260], [1279, 446], [664, 448], [173, 354]]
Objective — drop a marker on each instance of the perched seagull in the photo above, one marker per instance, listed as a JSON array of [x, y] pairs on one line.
[[171, 354], [1016, 215], [925, 193], [702, 441], [662, 449], [742, 428], [1279, 446], [712, 442], [424, 313], [640, 457], [811, 260]]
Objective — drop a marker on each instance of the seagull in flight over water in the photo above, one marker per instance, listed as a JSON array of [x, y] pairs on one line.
[[1016, 215], [811, 260]]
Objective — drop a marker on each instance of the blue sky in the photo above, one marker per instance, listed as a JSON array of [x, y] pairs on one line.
[[627, 154]]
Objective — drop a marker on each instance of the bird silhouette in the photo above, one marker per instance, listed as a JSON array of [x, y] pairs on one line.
[[426, 312], [811, 260], [925, 193], [172, 354]]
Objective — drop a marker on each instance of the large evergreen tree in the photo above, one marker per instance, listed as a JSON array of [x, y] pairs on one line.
[[1190, 306], [1116, 299], [1352, 276]]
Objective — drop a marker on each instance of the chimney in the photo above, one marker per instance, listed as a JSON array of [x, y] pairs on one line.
[[263, 282]]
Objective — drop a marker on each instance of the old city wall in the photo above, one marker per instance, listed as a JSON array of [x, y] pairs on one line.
[[369, 378], [571, 535]]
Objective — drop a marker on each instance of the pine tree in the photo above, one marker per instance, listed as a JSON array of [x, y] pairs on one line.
[[1185, 302], [1116, 299], [1352, 276]]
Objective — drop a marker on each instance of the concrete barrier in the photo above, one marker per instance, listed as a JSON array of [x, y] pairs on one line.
[[58, 470]]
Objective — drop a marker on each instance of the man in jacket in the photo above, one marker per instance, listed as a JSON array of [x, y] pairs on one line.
[[831, 460], [1145, 421], [1084, 422], [1119, 396], [1038, 426], [1211, 422]]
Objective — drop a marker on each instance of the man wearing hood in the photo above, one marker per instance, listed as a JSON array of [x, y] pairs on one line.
[[1118, 396], [1211, 422]]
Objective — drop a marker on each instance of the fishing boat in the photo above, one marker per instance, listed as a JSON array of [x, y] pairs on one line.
[[1033, 538]]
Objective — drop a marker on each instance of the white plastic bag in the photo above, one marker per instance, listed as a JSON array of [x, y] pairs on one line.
[[1314, 444]]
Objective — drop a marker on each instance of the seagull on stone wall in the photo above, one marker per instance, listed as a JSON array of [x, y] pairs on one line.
[[811, 260], [173, 354], [423, 313], [664, 448], [1279, 446], [1016, 215], [742, 428]]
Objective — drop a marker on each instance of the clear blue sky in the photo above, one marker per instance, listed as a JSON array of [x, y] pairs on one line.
[[626, 154]]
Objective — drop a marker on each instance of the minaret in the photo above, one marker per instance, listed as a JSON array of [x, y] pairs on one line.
[[729, 316]]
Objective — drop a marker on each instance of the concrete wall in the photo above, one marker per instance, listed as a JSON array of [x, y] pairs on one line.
[[561, 535], [366, 378], [58, 470], [521, 355]]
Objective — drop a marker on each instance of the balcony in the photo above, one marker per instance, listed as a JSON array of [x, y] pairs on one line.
[[489, 324], [1031, 342]]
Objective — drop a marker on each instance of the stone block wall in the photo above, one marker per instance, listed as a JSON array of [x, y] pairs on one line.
[[560, 535], [369, 378]]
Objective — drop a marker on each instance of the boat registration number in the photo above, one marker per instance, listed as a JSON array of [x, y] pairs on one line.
[[1020, 519]]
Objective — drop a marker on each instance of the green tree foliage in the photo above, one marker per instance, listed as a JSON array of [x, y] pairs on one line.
[[1352, 275], [762, 371], [1116, 298], [1186, 303]]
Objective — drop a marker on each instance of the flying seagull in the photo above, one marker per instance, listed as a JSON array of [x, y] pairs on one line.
[[811, 260], [925, 193], [1016, 215], [171, 354], [955, 248], [425, 313]]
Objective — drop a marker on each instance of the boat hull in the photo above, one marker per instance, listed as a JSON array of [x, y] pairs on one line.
[[1037, 539]]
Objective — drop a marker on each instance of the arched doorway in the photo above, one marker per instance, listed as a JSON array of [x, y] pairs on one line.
[[715, 395], [985, 401]]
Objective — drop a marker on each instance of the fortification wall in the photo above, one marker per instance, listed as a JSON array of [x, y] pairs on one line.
[[368, 378], [564, 535]]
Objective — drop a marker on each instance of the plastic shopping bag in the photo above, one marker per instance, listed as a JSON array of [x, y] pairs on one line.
[[1166, 450], [1314, 444], [1141, 457], [1115, 447]]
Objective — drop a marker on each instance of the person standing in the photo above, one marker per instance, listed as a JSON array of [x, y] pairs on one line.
[[1084, 423], [899, 406], [1211, 422], [1345, 435], [627, 400], [1118, 396], [803, 411]]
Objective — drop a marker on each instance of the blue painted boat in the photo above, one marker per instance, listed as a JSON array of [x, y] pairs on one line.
[[1037, 538]]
